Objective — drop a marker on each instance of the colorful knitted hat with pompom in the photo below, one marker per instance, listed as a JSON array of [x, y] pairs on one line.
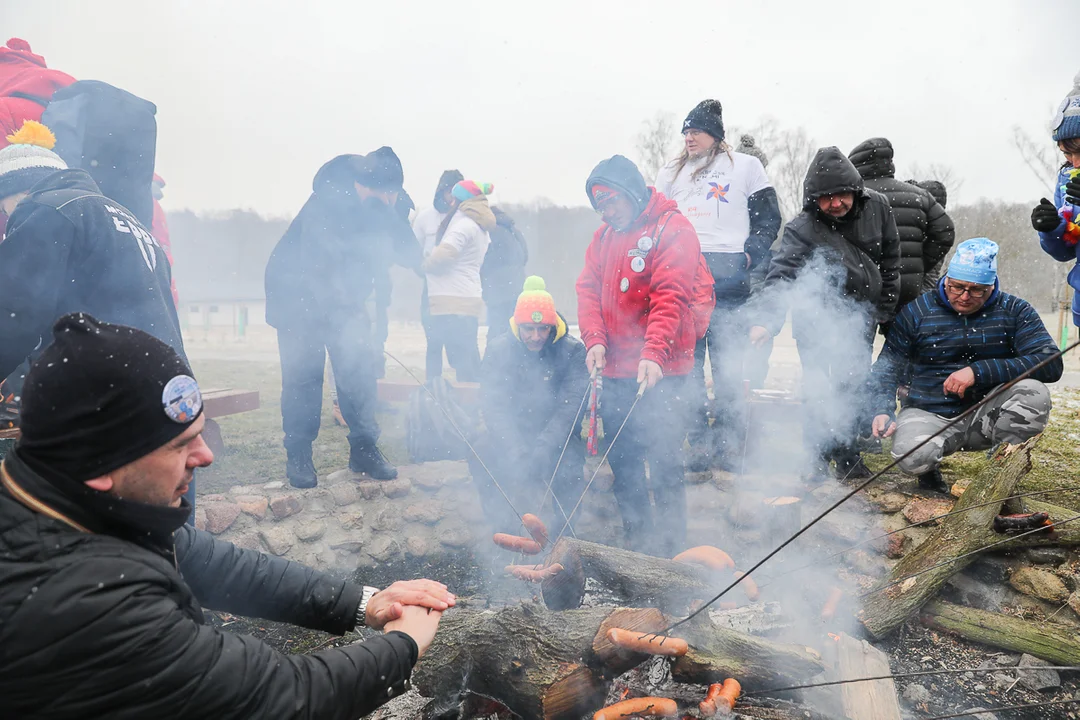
[[29, 158], [535, 305], [1066, 122], [467, 190]]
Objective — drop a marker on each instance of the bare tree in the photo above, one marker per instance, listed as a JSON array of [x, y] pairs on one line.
[[1040, 158], [656, 143], [944, 174], [790, 153]]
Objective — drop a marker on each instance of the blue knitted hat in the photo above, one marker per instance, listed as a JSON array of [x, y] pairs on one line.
[[974, 261], [1066, 122]]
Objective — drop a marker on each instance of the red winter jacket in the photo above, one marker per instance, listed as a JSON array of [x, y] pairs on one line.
[[651, 318], [24, 80]]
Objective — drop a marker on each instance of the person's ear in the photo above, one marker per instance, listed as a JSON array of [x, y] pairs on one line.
[[101, 484]]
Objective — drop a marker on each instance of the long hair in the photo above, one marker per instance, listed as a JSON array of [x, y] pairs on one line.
[[718, 147], [1072, 145]]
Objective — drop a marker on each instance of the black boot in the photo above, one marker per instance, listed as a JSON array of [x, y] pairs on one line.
[[300, 468], [370, 461], [932, 480], [850, 466]]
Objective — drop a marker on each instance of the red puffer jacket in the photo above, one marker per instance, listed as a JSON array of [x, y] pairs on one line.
[[642, 314], [26, 85]]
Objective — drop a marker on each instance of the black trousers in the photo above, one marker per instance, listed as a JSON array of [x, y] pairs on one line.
[[835, 392], [524, 478], [653, 433], [303, 362], [499, 312], [726, 341], [456, 333]]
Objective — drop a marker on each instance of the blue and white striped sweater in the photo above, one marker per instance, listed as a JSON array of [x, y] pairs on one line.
[[930, 341]]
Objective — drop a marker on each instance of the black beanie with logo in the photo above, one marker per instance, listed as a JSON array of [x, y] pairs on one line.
[[102, 396], [707, 116]]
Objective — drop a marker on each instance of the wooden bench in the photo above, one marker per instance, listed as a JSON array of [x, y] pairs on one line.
[[399, 391]]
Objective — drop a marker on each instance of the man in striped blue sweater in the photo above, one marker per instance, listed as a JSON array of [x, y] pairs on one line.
[[954, 345]]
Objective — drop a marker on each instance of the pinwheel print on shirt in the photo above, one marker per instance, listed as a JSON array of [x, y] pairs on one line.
[[718, 192]]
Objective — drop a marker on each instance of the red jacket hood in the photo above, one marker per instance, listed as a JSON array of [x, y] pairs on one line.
[[22, 71], [18, 51]]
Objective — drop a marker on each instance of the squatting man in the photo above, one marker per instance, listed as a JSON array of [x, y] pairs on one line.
[[102, 584]]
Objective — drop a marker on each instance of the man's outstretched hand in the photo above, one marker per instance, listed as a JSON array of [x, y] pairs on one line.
[[390, 604], [959, 382], [419, 623]]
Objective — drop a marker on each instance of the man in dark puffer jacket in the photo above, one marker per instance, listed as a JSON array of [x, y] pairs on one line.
[[102, 585], [926, 231], [937, 189]]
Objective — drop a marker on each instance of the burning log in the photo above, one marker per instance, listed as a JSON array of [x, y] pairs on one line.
[[546, 665], [636, 577], [783, 515], [956, 537], [1057, 644]]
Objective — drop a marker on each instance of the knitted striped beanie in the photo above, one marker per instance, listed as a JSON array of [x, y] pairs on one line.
[[29, 158], [535, 305], [467, 189]]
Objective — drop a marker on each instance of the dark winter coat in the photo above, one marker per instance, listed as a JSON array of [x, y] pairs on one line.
[[926, 231], [1053, 242], [929, 341], [71, 249], [503, 271], [326, 265], [530, 400], [101, 616], [861, 249]]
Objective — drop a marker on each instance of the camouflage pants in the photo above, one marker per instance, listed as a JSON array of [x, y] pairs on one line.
[[1012, 417]]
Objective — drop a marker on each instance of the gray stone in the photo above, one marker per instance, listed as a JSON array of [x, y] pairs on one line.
[[427, 513], [352, 520], [310, 531], [340, 476], [200, 518], [865, 563], [455, 536], [247, 541], [1039, 583], [429, 481], [984, 714], [916, 694], [1037, 679], [254, 505], [1006, 660], [416, 546], [285, 505], [1046, 555], [919, 510], [979, 687], [349, 546], [387, 520], [369, 489], [1003, 681], [383, 549], [886, 502], [1074, 602], [278, 540], [220, 515], [396, 488], [275, 485], [344, 493]]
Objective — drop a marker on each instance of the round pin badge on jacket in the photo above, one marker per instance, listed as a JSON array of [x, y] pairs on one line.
[[645, 243], [624, 284], [637, 264]]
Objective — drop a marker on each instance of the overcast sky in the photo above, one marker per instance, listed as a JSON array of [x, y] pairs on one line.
[[253, 96]]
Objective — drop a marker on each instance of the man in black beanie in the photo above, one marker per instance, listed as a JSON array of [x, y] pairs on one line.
[[101, 583], [335, 254]]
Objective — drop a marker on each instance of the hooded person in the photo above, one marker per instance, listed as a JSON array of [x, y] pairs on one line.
[[635, 312], [531, 385], [837, 270], [503, 272], [160, 229], [426, 228], [936, 188], [733, 207], [68, 248], [336, 252], [931, 341], [926, 231], [1058, 222], [102, 586], [452, 270]]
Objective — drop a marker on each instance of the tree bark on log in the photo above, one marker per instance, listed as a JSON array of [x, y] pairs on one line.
[[885, 610], [1057, 644], [639, 579], [546, 665]]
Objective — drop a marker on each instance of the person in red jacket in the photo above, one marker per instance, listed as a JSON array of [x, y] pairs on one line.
[[160, 230], [634, 313]]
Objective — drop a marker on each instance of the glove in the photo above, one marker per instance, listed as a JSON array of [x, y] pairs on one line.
[[1044, 216], [1072, 190], [884, 328]]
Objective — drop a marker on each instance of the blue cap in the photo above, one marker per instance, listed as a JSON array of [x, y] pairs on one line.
[[1066, 122], [974, 261]]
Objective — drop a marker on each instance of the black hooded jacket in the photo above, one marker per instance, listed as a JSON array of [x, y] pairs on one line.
[[326, 264], [101, 616], [528, 399], [926, 231], [863, 246], [503, 271], [71, 249]]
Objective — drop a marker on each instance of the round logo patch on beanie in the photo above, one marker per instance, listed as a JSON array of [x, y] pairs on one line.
[[181, 399], [537, 316]]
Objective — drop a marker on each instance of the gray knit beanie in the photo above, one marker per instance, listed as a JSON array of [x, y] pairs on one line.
[[28, 160], [748, 146]]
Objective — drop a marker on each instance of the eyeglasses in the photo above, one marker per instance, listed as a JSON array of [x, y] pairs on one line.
[[975, 293], [693, 132]]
